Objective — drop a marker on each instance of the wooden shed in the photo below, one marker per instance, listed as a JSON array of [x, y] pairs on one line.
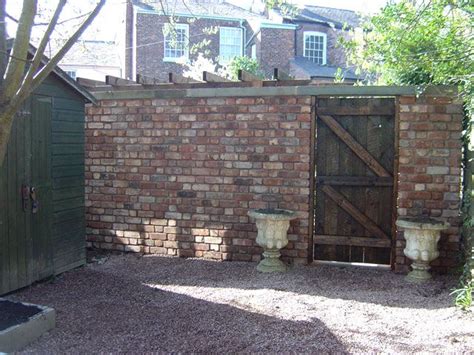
[[42, 224]]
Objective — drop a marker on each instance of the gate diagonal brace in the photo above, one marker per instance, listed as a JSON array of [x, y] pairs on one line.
[[355, 146], [360, 217]]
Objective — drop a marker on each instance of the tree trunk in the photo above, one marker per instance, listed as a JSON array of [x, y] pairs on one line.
[[6, 122]]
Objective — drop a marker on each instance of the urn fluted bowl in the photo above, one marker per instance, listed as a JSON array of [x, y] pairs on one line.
[[272, 226], [422, 235]]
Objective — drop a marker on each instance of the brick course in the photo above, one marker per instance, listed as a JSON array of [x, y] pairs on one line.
[[177, 176]]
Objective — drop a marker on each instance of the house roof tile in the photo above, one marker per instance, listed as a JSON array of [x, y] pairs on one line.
[[314, 70]]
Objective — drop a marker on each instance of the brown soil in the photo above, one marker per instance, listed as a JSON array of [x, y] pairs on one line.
[[134, 304]]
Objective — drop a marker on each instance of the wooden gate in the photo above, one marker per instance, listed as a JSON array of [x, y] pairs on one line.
[[25, 232], [354, 160]]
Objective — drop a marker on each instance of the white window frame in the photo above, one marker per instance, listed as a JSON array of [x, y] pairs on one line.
[[319, 34], [224, 59], [253, 51], [177, 26], [72, 73]]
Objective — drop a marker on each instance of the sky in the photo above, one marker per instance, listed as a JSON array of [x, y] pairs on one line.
[[108, 24], [364, 6]]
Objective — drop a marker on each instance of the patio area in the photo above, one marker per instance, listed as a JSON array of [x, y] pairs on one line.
[[133, 303]]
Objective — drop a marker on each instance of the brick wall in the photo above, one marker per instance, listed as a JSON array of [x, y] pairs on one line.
[[178, 177], [430, 170], [275, 49]]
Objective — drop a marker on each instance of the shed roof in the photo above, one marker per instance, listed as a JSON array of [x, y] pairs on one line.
[[60, 74]]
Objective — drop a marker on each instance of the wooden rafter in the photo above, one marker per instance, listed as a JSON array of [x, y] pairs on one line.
[[116, 81], [146, 80], [360, 217], [355, 146], [281, 75], [89, 83], [243, 75], [213, 78], [179, 79]]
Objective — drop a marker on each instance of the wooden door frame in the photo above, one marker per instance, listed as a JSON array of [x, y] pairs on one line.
[[312, 182]]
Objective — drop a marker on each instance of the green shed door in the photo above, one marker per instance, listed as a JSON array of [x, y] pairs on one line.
[[25, 235]]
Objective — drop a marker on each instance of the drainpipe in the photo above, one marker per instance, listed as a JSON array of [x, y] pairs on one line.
[[244, 35]]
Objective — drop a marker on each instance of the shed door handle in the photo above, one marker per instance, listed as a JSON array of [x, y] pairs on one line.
[[25, 197], [34, 200]]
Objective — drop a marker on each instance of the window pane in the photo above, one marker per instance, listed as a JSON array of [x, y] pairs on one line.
[[314, 47], [176, 41], [230, 43]]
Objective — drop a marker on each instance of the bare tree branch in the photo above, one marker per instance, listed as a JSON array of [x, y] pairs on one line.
[[24, 91], [3, 40], [16, 68], [42, 46]]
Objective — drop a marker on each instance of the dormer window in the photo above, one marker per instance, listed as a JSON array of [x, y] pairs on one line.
[[315, 47]]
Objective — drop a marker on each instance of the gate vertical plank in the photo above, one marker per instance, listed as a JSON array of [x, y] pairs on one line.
[[373, 207], [345, 222], [359, 195], [331, 209]]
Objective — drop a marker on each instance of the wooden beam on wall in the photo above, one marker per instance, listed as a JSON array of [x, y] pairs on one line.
[[355, 146], [213, 78], [360, 217], [179, 79], [116, 81], [146, 80], [89, 82], [280, 75], [243, 75]]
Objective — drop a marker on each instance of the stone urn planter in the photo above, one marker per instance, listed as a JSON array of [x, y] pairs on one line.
[[422, 235], [272, 226]]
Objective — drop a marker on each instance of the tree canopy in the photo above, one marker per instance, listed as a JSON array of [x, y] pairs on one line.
[[418, 42]]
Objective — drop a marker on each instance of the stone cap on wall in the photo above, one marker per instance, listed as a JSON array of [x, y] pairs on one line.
[[246, 91]]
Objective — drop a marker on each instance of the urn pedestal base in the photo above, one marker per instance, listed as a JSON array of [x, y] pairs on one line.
[[272, 227], [422, 235], [271, 262]]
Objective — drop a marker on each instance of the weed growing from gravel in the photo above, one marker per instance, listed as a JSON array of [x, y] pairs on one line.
[[463, 296]]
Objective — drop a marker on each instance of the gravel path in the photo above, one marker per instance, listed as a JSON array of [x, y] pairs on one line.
[[134, 304]]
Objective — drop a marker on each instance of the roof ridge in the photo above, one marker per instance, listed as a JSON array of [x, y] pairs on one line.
[[330, 7]]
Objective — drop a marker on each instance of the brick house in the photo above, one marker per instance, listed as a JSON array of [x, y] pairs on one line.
[[304, 45]]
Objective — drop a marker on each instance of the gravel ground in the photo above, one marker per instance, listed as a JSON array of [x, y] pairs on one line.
[[131, 303]]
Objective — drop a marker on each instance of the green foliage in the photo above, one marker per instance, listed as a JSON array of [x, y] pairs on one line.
[[339, 76], [245, 63], [418, 43], [463, 296]]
